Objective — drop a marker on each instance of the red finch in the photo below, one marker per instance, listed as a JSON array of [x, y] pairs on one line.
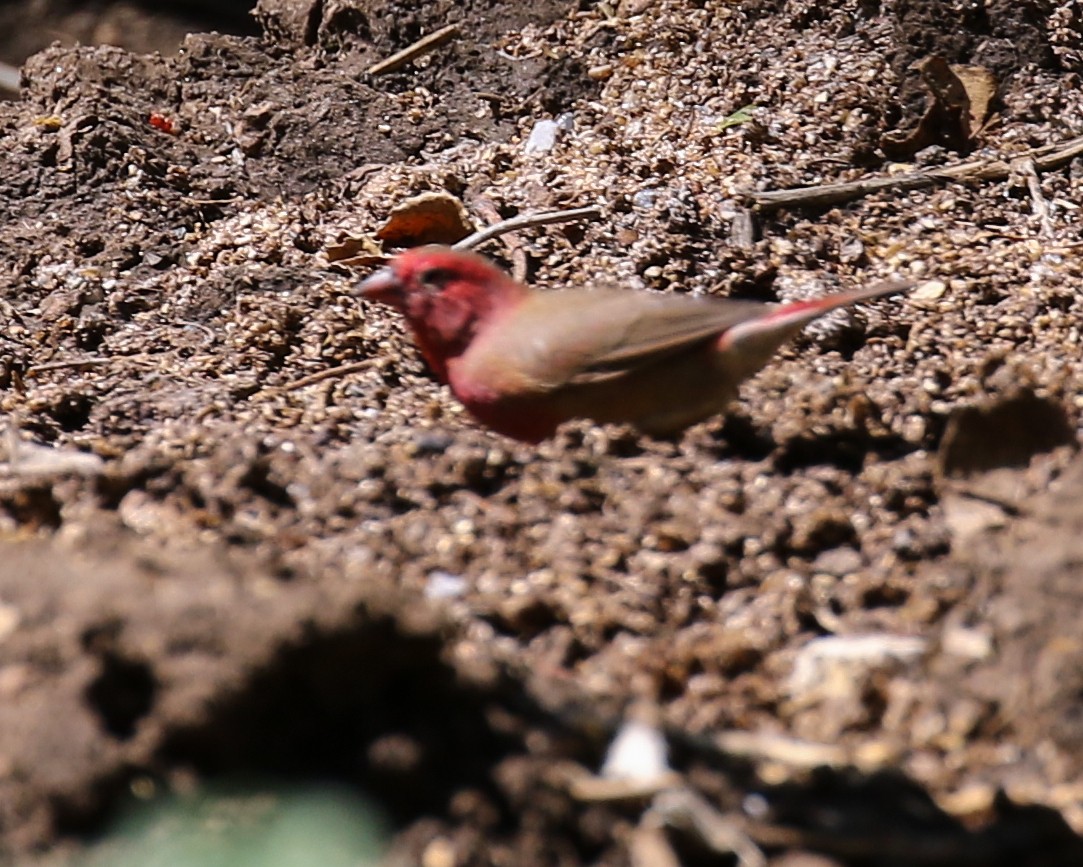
[[524, 361]]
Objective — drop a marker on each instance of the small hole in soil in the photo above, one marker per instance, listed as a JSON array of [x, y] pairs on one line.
[[34, 508], [739, 433], [842, 448], [72, 411], [122, 694], [370, 706]]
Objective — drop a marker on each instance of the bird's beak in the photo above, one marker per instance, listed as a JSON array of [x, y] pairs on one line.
[[382, 286]]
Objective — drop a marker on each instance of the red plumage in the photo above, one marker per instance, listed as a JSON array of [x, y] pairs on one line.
[[524, 361]]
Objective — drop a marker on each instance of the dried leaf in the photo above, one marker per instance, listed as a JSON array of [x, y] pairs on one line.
[[431, 218], [352, 246], [960, 103], [981, 89]]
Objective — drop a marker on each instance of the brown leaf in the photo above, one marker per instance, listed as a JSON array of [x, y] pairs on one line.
[[981, 89], [353, 246], [960, 104], [431, 218]]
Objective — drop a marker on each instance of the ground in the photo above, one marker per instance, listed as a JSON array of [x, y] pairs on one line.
[[850, 604]]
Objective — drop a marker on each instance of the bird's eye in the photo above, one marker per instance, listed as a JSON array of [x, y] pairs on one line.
[[435, 278]]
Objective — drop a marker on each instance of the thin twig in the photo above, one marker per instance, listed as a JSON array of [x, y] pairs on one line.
[[686, 810], [1045, 158], [34, 370], [526, 221], [1008, 507], [491, 215], [341, 370], [782, 750], [138, 358], [191, 200], [1029, 172], [1058, 247], [424, 45]]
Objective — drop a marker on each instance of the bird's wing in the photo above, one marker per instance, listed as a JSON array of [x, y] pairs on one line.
[[580, 336]]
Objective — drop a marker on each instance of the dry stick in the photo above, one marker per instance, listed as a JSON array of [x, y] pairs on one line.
[[525, 222], [34, 370], [1038, 203], [687, 810], [341, 370], [1044, 158], [194, 201], [424, 45], [93, 361], [490, 214]]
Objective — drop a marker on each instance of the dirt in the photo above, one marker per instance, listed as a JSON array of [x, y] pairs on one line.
[[850, 603], [30, 26]]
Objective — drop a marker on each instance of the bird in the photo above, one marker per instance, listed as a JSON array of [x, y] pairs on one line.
[[524, 361]]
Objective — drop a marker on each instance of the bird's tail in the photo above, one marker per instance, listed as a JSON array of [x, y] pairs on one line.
[[801, 313], [753, 342]]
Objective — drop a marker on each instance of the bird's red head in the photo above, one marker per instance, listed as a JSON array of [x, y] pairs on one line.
[[445, 295]]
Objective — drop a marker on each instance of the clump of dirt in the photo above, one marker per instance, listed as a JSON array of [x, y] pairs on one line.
[[29, 27]]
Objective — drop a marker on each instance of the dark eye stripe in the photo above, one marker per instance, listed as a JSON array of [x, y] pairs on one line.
[[436, 277]]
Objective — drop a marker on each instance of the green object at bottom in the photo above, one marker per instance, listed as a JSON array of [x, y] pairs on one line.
[[245, 826]]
